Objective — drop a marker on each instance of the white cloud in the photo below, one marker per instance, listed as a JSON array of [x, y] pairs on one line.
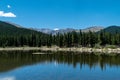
[[8, 6], [8, 78], [56, 29], [8, 14]]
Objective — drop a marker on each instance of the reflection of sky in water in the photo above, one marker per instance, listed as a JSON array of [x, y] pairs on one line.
[[7, 78], [55, 71]]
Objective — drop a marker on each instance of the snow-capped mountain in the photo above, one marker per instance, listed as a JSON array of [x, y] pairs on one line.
[[56, 30]]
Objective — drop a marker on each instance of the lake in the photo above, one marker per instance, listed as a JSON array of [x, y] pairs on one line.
[[24, 65]]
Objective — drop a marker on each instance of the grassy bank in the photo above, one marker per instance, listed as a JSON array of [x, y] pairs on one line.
[[74, 49]]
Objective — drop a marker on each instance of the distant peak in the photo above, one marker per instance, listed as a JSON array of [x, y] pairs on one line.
[[114, 26], [96, 27], [93, 29]]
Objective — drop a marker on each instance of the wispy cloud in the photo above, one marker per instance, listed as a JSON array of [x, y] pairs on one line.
[[8, 6], [8, 14]]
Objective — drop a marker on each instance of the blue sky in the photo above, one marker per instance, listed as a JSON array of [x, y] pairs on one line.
[[52, 14]]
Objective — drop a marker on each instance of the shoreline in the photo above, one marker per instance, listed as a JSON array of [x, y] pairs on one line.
[[72, 49]]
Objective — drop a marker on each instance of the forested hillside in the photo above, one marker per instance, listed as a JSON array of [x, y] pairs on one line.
[[10, 29], [14, 36], [112, 29]]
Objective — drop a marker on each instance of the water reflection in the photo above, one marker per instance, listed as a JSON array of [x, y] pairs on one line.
[[11, 60], [8, 78]]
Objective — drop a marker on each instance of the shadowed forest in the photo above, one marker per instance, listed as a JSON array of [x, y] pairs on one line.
[[71, 39]]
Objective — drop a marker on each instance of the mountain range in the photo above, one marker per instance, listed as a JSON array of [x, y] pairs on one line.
[[11, 28], [55, 31]]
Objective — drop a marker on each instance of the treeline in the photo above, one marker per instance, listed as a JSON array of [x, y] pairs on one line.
[[71, 39], [89, 39]]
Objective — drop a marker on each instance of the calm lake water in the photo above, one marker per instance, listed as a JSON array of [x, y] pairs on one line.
[[19, 65]]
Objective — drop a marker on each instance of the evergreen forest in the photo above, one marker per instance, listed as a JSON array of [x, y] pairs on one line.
[[12, 36]]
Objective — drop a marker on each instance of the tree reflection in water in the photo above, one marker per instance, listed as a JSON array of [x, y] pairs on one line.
[[13, 59]]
